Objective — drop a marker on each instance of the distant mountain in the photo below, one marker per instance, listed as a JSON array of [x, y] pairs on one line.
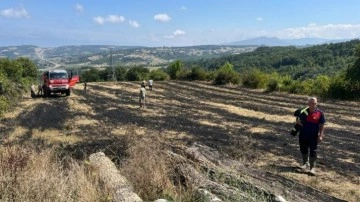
[[274, 41]]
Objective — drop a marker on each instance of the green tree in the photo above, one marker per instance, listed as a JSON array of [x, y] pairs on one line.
[[137, 74], [159, 75], [91, 75], [120, 73], [174, 69], [353, 72], [254, 79], [11, 69], [29, 69], [321, 86], [198, 73], [226, 74]]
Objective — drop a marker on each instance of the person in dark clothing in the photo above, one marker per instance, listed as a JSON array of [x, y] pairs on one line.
[[312, 121], [40, 90], [85, 85]]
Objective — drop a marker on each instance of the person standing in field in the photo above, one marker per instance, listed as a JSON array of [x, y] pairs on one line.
[[143, 83], [40, 89], [33, 89], [150, 84], [142, 96], [85, 85], [311, 121]]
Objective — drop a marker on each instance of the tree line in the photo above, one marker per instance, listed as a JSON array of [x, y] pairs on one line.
[[329, 70]]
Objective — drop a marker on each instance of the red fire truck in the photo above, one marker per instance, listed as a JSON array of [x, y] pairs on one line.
[[58, 81]]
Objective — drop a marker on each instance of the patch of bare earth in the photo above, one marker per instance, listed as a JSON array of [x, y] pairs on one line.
[[249, 125]]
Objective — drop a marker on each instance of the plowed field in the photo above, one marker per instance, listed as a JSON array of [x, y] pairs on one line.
[[249, 125]]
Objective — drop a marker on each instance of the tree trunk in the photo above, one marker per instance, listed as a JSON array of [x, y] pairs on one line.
[[111, 177]]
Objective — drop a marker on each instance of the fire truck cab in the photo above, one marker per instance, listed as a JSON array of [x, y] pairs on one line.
[[57, 81]]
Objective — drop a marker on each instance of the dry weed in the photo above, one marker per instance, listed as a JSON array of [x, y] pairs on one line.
[[27, 175], [151, 169]]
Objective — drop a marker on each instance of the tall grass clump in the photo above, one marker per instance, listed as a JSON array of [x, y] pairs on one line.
[[150, 170], [27, 175]]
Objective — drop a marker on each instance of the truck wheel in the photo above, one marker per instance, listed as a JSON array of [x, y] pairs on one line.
[[68, 93]]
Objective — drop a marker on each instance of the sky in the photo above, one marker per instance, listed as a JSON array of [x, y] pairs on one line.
[[157, 23]]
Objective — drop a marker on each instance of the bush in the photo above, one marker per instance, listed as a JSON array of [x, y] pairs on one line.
[[226, 74], [273, 85], [184, 74], [137, 74], [198, 73], [4, 105], [320, 86], [91, 75], [340, 88], [159, 75], [174, 69], [255, 79]]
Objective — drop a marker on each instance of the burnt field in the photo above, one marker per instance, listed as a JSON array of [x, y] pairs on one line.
[[248, 125]]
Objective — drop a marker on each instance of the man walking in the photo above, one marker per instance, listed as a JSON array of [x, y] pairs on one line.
[[150, 84], [311, 120], [142, 96]]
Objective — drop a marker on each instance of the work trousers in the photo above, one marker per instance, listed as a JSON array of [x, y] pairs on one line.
[[308, 142]]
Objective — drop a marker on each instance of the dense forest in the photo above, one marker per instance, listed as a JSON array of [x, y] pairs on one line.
[[300, 63]]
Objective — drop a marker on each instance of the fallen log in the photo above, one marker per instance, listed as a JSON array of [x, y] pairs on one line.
[[113, 180]]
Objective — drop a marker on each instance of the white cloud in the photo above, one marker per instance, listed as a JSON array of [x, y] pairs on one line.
[[15, 13], [178, 32], [330, 31], [110, 18], [115, 19], [259, 19], [133, 23], [162, 17], [79, 8], [99, 20]]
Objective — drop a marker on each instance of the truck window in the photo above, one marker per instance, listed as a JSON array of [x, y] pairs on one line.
[[58, 75]]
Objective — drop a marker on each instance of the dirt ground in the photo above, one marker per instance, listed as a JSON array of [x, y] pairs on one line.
[[249, 125]]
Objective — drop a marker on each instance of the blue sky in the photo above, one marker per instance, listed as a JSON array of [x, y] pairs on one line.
[[156, 23]]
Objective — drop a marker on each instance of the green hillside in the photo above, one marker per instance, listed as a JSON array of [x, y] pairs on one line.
[[301, 63]]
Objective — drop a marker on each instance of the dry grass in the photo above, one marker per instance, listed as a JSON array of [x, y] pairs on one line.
[[151, 169], [27, 175]]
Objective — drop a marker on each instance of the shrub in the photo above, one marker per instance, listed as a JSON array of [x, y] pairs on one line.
[[159, 75], [137, 74], [273, 85], [226, 74], [320, 86], [174, 69], [4, 105], [255, 79], [184, 74], [198, 73]]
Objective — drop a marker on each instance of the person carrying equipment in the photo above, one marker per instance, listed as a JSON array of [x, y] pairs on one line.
[[311, 132]]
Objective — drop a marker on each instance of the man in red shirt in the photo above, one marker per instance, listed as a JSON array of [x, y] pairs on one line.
[[311, 133]]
